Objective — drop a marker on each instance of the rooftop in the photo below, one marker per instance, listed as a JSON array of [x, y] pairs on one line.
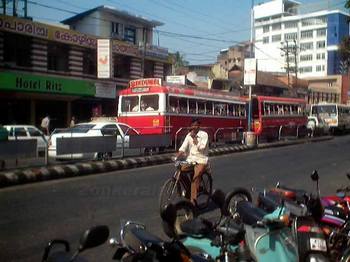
[[116, 12]]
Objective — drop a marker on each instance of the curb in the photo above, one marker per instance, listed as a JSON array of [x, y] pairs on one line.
[[31, 175]]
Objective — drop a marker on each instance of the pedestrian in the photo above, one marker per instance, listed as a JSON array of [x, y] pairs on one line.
[[45, 125], [72, 122]]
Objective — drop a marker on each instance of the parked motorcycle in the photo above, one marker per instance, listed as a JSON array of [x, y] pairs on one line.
[[92, 237], [222, 240], [137, 244], [268, 226]]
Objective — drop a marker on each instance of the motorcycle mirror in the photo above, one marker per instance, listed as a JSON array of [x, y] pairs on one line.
[[314, 175], [218, 198], [93, 237]]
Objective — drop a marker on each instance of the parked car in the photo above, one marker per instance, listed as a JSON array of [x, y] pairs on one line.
[[3, 133], [23, 132], [92, 129]]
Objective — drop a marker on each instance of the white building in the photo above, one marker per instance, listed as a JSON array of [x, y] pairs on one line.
[[317, 37]]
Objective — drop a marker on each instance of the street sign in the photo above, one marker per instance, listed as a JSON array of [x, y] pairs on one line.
[[250, 67], [179, 79], [103, 58]]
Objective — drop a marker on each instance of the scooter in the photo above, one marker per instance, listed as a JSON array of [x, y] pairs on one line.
[[137, 244], [222, 240], [92, 237]]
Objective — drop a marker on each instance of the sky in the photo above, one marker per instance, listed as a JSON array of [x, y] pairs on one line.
[[198, 29]]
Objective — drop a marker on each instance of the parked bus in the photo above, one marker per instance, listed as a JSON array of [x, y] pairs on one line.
[[154, 108], [272, 116], [335, 116]]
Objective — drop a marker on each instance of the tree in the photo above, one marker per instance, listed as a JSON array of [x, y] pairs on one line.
[[347, 4], [178, 60]]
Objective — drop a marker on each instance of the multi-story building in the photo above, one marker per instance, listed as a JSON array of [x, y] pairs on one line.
[[49, 69], [313, 38], [233, 57]]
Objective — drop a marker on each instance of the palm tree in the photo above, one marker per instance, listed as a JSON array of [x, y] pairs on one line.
[[179, 60], [347, 4]]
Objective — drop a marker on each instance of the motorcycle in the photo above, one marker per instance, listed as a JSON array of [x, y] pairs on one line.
[[222, 240], [302, 240], [334, 220], [137, 244], [92, 237]]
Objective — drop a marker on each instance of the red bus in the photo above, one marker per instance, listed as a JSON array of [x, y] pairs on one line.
[[154, 108], [272, 116]]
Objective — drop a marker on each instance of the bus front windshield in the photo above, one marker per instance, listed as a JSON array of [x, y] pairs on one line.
[[329, 110]]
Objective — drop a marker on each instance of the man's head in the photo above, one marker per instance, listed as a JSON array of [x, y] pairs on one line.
[[195, 125]]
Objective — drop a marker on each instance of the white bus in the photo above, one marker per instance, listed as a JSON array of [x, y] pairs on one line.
[[335, 116]]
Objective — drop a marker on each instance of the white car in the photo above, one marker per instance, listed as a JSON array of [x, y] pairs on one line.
[[93, 129], [23, 132]]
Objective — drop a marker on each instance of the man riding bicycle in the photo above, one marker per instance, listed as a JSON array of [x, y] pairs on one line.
[[196, 147]]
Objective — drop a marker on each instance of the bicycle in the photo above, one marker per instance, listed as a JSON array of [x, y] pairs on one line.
[[179, 185]]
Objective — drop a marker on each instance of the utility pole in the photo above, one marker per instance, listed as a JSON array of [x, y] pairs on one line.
[[286, 51], [251, 56], [144, 33], [295, 49]]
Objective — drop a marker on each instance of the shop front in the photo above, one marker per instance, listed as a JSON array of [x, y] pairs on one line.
[[27, 98]]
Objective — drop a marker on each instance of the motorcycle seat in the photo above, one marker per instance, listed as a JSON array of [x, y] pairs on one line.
[[196, 227], [138, 237], [291, 193], [250, 214]]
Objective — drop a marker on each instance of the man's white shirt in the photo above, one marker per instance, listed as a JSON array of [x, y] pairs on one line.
[[196, 153]]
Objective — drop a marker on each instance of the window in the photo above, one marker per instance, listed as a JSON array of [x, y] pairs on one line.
[[149, 69], [305, 58], [34, 132], [192, 106], [130, 35], [291, 24], [320, 68], [183, 105], [321, 44], [201, 107], [321, 32], [90, 62], [266, 40], [110, 130], [306, 34], [149, 103], [314, 21], [321, 56], [306, 46], [17, 50], [266, 28], [276, 38], [121, 66], [57, 56], [209, 107], [290, 36], [128, 130], [115, 28], [20, 131], [130, 104], [306, 69], [276, 26]]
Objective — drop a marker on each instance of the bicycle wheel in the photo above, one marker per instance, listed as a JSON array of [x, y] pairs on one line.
[[168, 192], [205, 191]]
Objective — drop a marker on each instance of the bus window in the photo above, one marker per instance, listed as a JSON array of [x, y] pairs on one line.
[[192, 106], [183, 105], [242, 110], [149, 103], [201, 107], [174, 104], [209, 108], [255, 108], [130, 103]]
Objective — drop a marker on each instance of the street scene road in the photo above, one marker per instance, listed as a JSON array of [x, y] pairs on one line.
[[33, 214]]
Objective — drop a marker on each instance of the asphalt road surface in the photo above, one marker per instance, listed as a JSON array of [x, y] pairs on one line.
[[31, 215]]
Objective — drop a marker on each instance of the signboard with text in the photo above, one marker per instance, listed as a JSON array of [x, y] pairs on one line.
[[45, 84], [181, 79], [250, 67], [103, 58]]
